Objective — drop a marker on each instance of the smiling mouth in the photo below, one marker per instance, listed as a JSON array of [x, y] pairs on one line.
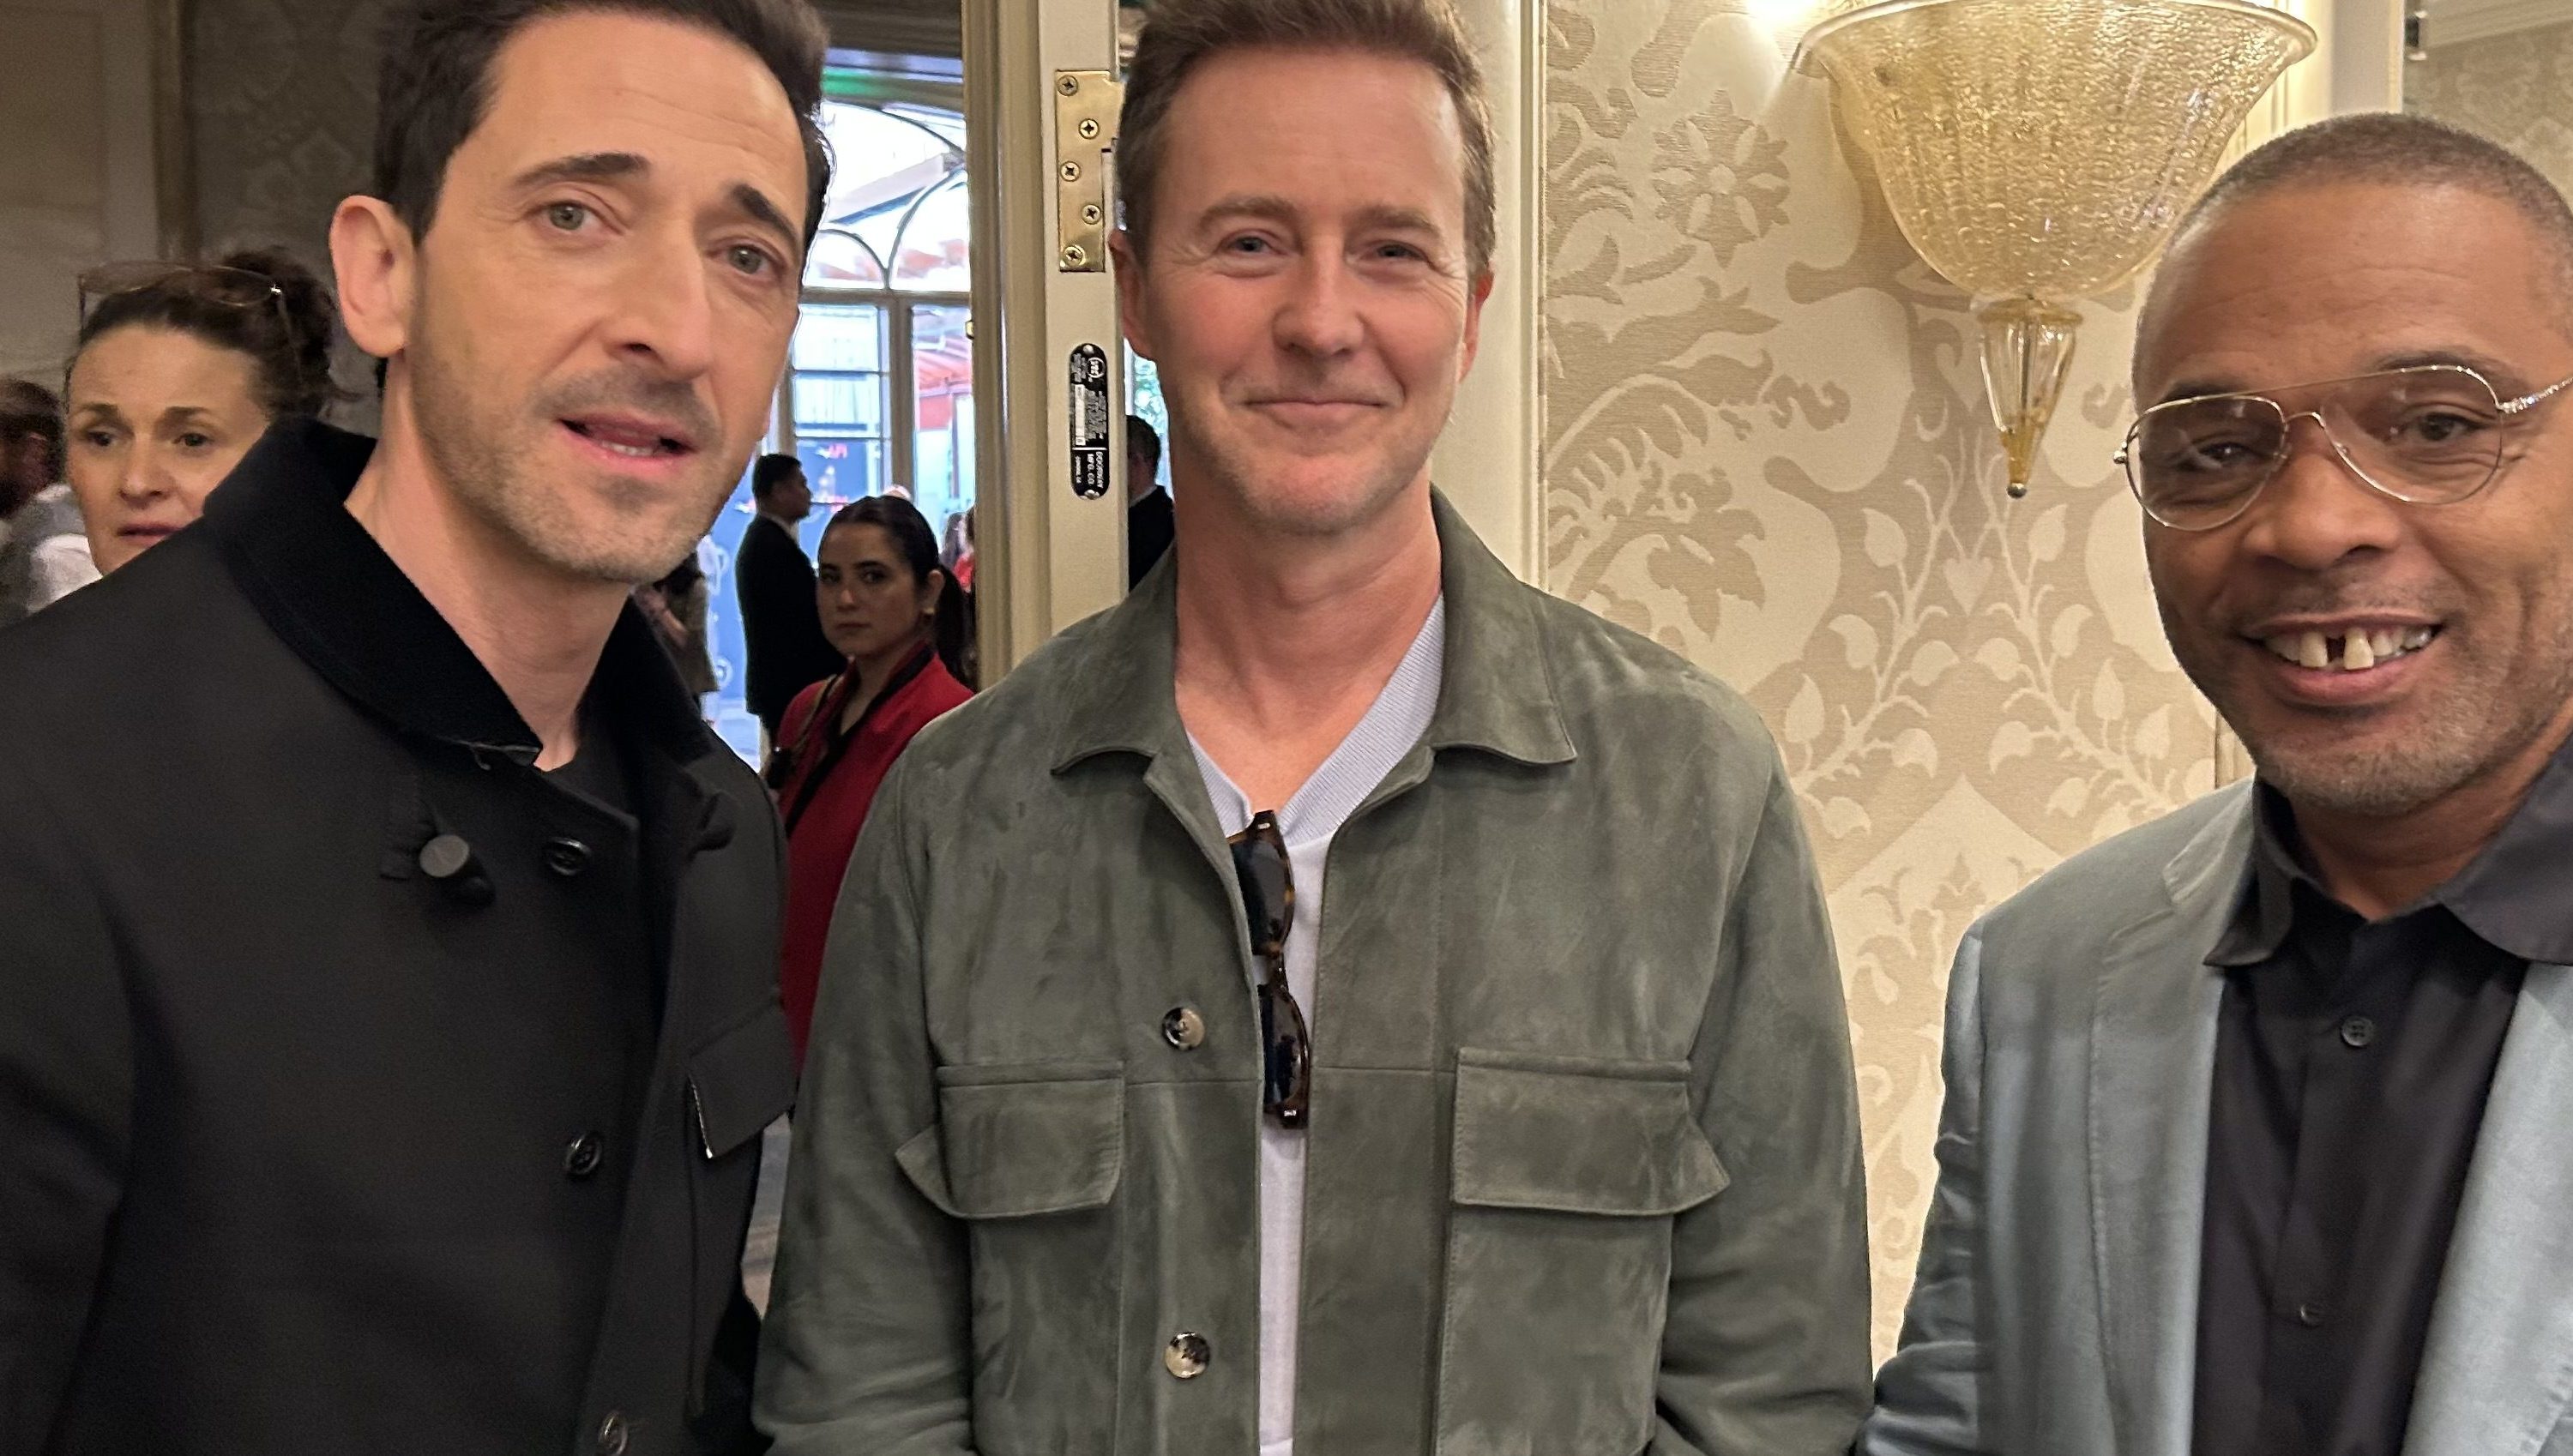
[[2353, 651]]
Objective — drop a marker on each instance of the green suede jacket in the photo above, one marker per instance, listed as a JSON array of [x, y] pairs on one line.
[[1584, 1173]]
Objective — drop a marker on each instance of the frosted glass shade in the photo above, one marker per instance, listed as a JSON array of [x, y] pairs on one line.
[[2042, 151]]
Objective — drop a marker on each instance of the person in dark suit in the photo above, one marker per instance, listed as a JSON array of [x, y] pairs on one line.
[[781, 625], [1149, 526], [388, 953]]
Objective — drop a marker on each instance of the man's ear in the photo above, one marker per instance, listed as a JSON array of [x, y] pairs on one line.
[[377, 262], [1475, 298], [1128, 266]]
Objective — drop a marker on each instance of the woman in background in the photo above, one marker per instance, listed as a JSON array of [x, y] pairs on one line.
[[882, 594], [180, 367]]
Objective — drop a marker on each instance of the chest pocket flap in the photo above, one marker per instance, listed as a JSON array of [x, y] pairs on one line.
[[1578, 1137], [1018, 1142]]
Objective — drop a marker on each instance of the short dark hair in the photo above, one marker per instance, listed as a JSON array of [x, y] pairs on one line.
[[261, 302], [771, 471], [2395, 149], [1178, 35], [29, 409], [1143, 439], [436, 85]]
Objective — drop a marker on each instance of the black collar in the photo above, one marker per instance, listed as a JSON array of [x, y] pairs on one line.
[[2511, 895], [333, 595]]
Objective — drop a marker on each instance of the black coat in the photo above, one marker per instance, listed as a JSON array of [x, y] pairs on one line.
[[1151, 525], [304, 1148], [781, 623]]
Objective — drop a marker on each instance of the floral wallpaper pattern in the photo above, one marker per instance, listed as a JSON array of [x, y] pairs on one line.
[[1766, 446], [2516, 89]]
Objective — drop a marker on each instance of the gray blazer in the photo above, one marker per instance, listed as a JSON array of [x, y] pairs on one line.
[[2056, 1308]]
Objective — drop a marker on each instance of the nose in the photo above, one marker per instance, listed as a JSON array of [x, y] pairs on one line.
[[2319, 511], [141, 480], [1320, 315], [664, 310]]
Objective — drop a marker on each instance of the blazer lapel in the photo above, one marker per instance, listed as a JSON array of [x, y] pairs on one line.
[[2153, 1053], [2498, 1371]]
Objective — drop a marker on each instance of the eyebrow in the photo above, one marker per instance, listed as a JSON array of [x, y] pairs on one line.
[[749, 201], [755, 205], [101, 410], [1278, 209], [586, 166]]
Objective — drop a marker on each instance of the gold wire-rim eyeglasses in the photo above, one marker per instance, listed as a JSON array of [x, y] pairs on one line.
[[2506, 412]]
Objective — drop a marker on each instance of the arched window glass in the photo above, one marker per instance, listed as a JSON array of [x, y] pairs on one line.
[[937, 242], [842, 260], [895, 167]]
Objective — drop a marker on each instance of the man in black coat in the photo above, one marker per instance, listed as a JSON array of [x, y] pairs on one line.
[[1151, 525], [781, 619], [387, 988]]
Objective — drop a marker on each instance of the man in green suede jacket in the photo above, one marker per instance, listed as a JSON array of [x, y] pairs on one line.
[[1538, 1137]]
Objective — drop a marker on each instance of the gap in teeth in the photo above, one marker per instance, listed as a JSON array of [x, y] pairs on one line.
[[2351, 651]]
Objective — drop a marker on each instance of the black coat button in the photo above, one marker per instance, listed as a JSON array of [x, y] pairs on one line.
[[566, 857], [612, 1435], [449, 861], [2357, 1033], [445, 856], [581, 1158]]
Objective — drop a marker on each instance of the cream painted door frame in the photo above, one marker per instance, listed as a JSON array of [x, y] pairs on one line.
[[1046, 556]]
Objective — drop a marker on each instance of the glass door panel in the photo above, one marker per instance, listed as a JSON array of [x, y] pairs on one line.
[[942, 384]]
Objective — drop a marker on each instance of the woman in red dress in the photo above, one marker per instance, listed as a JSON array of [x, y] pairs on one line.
[[882, 594]]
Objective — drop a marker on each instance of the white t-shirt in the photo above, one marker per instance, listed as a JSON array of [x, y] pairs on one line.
[[1308, 822]]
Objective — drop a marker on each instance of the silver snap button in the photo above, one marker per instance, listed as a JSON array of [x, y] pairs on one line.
[[1188, 1356]]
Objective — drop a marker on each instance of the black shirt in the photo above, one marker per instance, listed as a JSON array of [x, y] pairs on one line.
[[596, 848], [2352, 1063]]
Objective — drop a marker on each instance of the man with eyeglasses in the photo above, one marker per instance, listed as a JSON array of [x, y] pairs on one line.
[[1341, 1002], [2256, 1135]]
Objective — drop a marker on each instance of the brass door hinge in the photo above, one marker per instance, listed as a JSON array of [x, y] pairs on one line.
[[1085, 104]]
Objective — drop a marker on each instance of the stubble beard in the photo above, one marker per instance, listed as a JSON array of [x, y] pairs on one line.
[[1284, 514], [2492, 713], [486, 463]]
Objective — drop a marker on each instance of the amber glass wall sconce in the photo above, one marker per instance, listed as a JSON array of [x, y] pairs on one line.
[[2036, 151]]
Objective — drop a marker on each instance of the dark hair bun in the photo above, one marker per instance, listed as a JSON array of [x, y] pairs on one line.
[[312, 316], [286, 334]]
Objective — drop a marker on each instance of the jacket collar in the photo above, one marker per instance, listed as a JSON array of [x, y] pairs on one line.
[[332, 596], [1496, 694]]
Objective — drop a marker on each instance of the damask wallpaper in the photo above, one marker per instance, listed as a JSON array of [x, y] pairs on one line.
[[1766, 446], [281, 110], [2516, 89]]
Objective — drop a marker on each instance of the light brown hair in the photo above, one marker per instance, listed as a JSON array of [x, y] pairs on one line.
[[1179, 34]]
